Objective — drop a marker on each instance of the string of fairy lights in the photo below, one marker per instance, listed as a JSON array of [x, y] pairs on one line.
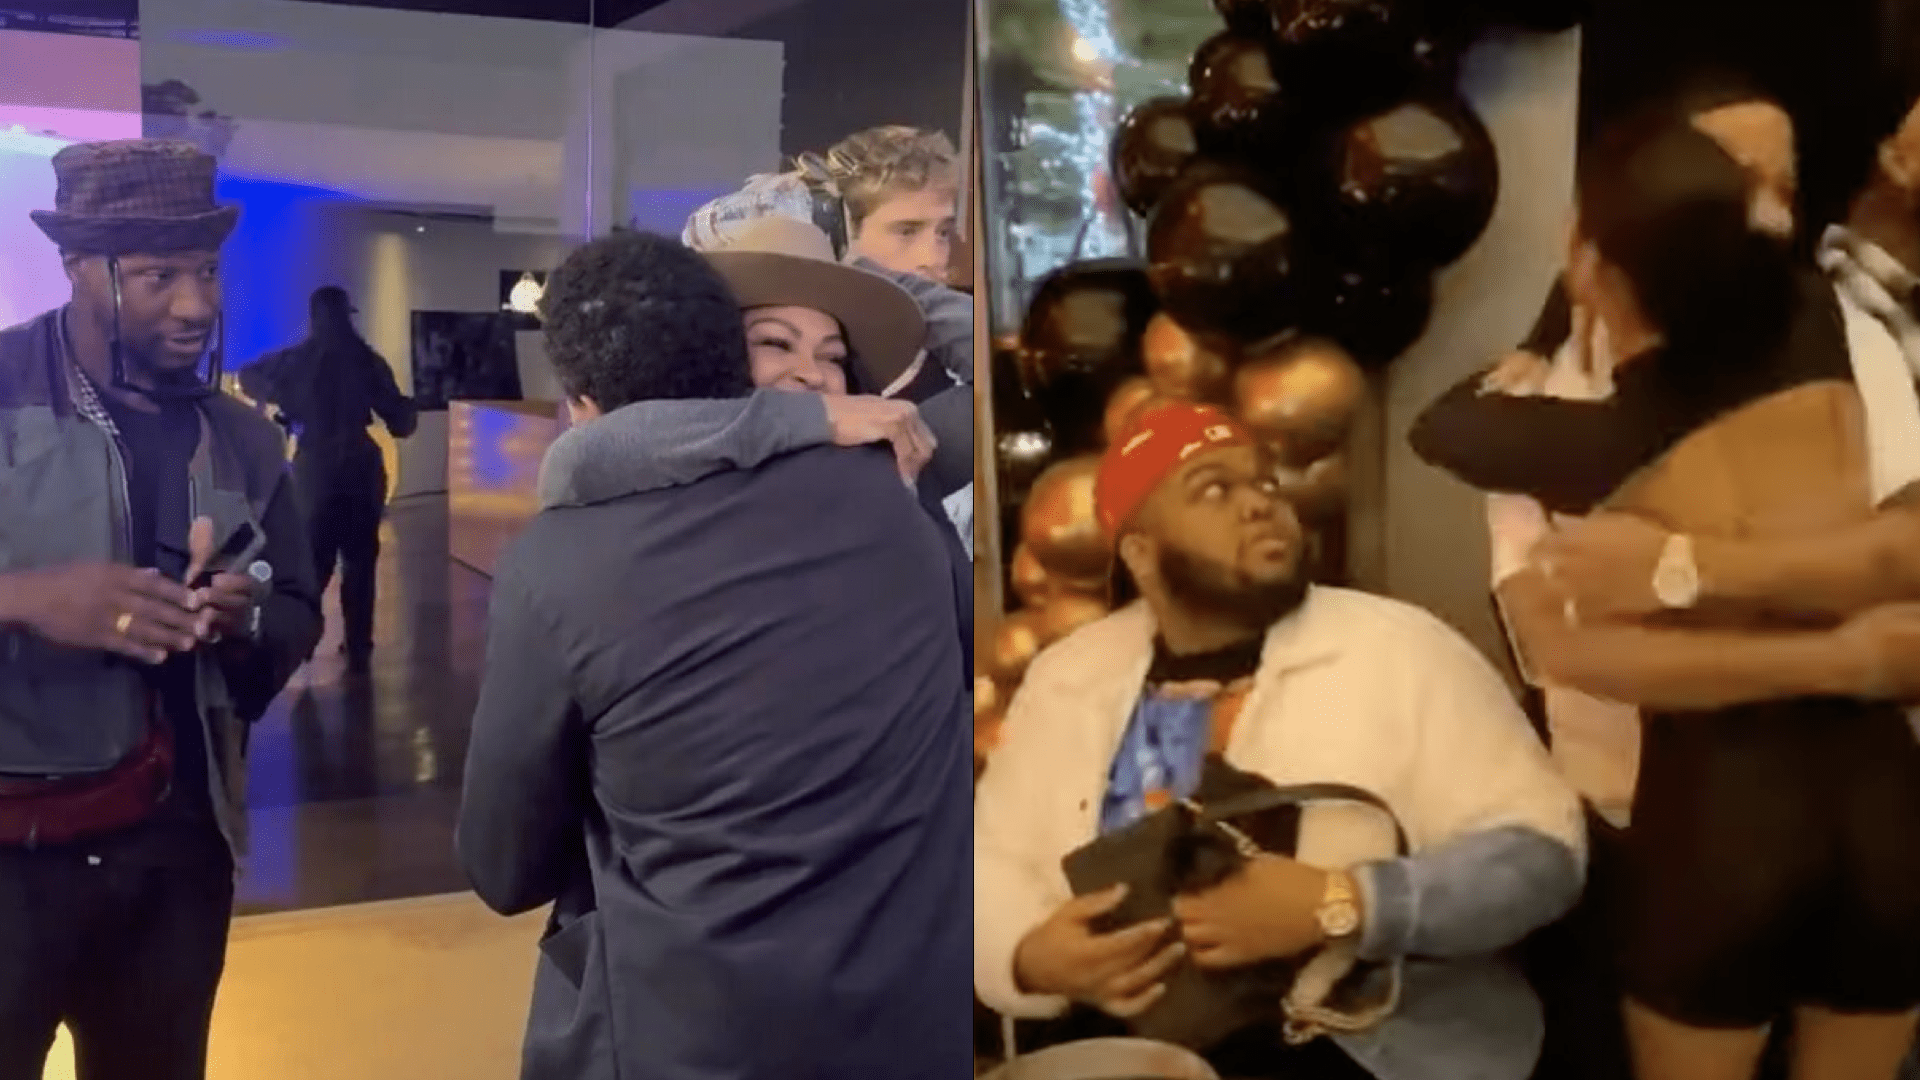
[[1093, 48], [1058, 164]]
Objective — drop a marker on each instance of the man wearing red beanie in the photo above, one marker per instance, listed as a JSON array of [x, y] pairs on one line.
[[1232, 659]]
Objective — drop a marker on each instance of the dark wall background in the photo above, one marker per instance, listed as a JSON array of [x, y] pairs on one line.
[[1835, 64], [854, 64]]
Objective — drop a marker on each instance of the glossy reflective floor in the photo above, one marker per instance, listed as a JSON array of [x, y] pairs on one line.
[[355, 780], [427, 989]]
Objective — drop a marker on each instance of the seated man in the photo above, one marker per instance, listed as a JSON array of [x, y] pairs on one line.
[[1340, 687], [723, 730]]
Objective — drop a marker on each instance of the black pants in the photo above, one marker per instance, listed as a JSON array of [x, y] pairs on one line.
[[1774, 861], [346, 497], [123, 941], [1573, 966]]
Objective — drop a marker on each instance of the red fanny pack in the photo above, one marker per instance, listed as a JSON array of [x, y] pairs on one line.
[[40, 811]]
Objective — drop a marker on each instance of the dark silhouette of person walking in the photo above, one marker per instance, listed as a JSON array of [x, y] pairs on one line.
[[329, 388]]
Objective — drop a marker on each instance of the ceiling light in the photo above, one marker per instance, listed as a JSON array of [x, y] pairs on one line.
[[526, 294]]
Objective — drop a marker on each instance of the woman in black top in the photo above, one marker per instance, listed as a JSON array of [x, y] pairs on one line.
[[1773, 862], [329, 389]]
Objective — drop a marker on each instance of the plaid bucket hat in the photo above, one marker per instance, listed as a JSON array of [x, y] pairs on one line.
[[135, 197]]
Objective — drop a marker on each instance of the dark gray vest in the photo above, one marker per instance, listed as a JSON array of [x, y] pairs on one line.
[[63, 499]]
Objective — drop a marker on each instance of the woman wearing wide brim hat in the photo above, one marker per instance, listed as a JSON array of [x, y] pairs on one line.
[[777, 262]]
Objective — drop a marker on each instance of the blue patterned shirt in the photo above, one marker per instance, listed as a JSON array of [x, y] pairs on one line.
[[1160, 757]]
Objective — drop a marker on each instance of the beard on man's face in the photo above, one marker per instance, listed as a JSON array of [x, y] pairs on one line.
[[153, 362], [1208, 585]]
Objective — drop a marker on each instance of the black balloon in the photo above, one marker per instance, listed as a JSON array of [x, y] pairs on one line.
[[1023, 440], [1249, 17], [1224, 256], [1458, 20], [1081, 340], [1087, 313], [1550, 16], [1240, 109], [1436, 55], [1353, 55], [1152, 146], [1373, 306], [1419, 180]]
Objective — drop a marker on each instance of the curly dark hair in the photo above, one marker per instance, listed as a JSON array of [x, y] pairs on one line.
[[639, 317]]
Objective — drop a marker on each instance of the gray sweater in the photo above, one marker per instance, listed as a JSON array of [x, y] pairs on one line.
[[658, 444]]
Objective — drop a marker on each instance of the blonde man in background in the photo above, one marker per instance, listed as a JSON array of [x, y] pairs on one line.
[[889, 195], [900, 189]]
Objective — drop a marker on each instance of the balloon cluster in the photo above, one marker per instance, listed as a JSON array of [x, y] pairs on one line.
[[1298, 201]]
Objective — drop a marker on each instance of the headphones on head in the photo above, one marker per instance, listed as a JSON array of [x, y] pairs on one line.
[[830, 212]]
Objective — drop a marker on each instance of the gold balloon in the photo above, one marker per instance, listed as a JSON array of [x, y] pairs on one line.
[[1015, 644], [1059, 524], [986, 736], [1031, 582], [1301, 396], [1125, 403], [1319, 491], [1182, 366], [986, 696], [1066, 613]]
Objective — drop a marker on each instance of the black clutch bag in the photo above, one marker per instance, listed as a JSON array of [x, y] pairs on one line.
[[1192, 846]]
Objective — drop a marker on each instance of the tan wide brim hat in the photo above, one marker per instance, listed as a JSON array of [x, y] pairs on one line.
[[780, 262]]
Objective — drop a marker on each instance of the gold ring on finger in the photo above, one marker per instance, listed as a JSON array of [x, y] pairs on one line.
[[124, 623]]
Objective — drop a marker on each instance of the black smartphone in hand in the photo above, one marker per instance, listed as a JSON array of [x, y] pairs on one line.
[[242, 546]]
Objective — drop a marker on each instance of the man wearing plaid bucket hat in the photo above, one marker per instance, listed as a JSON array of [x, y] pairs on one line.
[[1231, 659], [155, 594]]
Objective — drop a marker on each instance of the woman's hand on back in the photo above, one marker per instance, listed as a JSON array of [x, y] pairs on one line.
[[860, 420]]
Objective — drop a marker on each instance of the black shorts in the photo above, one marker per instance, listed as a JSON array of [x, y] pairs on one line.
[[1774, 861]]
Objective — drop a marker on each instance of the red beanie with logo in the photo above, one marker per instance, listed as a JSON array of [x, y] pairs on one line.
[[1158, 441]]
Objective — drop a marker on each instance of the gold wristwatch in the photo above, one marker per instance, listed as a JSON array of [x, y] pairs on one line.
[[1676, 577], [1339, 911]]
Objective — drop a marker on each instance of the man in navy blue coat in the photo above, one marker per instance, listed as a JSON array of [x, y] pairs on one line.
[[725, 729]]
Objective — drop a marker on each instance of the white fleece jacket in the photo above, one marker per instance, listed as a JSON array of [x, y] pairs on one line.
[[1353, 689]]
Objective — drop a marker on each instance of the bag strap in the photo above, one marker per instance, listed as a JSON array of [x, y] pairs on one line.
[[1225, 810]]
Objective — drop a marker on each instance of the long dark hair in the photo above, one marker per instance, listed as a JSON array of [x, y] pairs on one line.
[[330, 317], [332, 352], [1666, 205]]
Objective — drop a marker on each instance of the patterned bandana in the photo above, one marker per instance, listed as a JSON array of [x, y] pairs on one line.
[[1158, 441]]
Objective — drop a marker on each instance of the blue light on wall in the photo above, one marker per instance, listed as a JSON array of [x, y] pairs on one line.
[[666, 212], [234, 40], [494, 466], [279, 253]]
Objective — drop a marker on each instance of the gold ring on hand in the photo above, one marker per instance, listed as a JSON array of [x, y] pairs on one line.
[[124, 623]]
